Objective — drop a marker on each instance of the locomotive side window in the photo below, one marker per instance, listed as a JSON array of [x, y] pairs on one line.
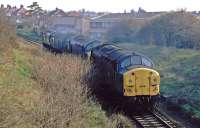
[[125, 63], [52, 39], [146, 62]]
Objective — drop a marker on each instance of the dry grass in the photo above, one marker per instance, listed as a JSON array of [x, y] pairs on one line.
[[65, 93], [65, 101], [18, 92], [119, 121]]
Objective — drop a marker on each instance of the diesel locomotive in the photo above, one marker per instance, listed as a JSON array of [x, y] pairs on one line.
[[130, 74]]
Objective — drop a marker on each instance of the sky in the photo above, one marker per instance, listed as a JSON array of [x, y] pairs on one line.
[[111, 5]]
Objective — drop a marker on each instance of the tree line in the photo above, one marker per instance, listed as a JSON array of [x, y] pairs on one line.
[[180, 29]]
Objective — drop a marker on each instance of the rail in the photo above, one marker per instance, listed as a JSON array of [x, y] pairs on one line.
[[38, 43], [154, 119]]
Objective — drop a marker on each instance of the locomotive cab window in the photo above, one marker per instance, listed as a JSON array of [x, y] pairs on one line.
[[130, 61], [125, 63], [146, 62], [136, 60]]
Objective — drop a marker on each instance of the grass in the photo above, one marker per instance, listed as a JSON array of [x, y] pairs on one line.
[[180, 73], [18, 92]]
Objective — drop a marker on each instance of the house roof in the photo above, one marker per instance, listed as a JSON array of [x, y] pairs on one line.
[[57, 12], [21, 11], [74, 14], [119, 16]]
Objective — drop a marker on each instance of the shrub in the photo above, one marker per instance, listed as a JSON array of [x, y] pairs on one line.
[[66, 101], [65, 96], [119, 121], [179, 29]]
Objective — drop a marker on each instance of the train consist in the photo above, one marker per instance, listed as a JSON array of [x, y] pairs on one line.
[[128, 73], [69, 43]]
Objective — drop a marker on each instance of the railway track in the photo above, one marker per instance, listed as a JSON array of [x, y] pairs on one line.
[[33, 42], [147, 119], [154, 119]]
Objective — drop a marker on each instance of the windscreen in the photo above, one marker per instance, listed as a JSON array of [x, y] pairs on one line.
[[135, 60]]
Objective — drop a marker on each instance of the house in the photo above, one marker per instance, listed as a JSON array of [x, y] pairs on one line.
[[74, 14], [57, 12], [14, 11], [88, 14], [68, 25], [20, 12], [100, 25]]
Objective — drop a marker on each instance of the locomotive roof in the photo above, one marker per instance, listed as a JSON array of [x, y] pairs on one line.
[[81, 39], [61, 36], [114, 53], [91, 41]]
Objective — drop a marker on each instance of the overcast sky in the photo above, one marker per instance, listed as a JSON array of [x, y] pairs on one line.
[[111, 5]]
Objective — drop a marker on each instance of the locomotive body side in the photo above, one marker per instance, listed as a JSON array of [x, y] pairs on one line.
[[57, 42], [128, 73]]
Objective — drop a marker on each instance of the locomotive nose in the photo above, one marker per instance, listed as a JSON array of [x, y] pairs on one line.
[[141, 82]]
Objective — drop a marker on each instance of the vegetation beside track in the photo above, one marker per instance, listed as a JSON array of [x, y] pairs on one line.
[[180, 74]]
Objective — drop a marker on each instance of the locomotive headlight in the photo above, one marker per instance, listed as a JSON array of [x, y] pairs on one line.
[[130, 81], [129, 90], [153, 79]]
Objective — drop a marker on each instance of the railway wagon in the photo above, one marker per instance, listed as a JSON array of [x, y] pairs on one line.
[[57, 41], [84, 48], [82, 45], [130, 74], [46, 39], [69, 43], [77, 44]]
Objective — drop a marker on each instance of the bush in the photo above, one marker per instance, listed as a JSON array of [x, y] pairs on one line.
[[125, 30], [119, 121], [179, 29], [66, 101], [65, 97]]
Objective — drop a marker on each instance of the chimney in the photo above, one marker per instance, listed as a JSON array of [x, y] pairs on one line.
[[2, 6], [21, 6], [8, 6]]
